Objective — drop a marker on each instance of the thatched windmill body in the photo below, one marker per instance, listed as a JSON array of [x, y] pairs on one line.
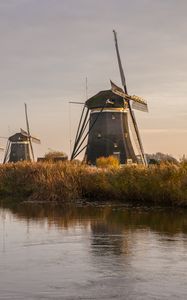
[[108, 116], [19, 146]]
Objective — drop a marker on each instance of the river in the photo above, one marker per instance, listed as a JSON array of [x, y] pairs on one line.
[[92, 252]]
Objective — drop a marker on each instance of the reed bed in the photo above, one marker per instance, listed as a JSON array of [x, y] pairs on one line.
[[161, 185]]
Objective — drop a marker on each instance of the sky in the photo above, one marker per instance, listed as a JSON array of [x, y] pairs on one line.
[[49, 47]]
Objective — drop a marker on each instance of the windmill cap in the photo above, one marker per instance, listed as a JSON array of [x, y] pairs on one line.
[[18, 137], [105, 99]]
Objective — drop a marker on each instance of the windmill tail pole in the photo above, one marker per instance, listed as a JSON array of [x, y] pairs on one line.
[[123, 81]]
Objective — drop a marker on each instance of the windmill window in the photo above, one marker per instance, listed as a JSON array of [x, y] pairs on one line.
[[99, 135]]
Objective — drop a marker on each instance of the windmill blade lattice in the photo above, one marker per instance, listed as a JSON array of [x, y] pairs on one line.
[[35, 140], [123, 80], [28, 131]]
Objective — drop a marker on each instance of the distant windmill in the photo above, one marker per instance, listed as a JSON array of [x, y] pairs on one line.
[[108, 115], [19, 146]]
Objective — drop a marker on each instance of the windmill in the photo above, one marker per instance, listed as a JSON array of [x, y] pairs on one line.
[[19, 146], [104, 126]]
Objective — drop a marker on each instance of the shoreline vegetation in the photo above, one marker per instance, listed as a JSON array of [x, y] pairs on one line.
[[67, 182]]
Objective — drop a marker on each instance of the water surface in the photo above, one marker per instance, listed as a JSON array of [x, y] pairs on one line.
[[108, 252]]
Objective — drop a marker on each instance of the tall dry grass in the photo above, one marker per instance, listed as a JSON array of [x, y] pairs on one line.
[[164, 184], [41, 181]]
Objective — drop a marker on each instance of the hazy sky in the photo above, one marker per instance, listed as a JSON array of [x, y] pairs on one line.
[[48, 47]]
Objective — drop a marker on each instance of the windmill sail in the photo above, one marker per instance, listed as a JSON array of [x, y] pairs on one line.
[[137, 102], [127, 99], [133, 132], [7, 152], [23, 132], [28, 132], [140, 106], [35, 140], [117, 90], [123, 80]]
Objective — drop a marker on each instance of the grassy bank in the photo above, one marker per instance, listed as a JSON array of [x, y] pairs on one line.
[[158, 185]]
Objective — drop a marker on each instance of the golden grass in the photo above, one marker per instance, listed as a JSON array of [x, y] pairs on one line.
[[107, 162], [164, 184]]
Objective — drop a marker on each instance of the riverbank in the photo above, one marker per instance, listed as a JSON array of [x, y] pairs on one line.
[[160, 185]]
